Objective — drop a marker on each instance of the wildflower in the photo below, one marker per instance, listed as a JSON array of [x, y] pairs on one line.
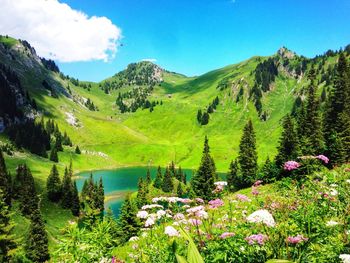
[[134, 246], [179, 216], [222, 183], [185, 200], [323, 158], [149, 222], [255, 191], [348, 181], [142, 214], [331, 223], [201, 214], [195, 222], [242, 198], [226, 235], [333, 185], [215, 203], [133, 239], [259, 239], [160, 213], [333, 192], [345, 258], [195, 209], [262, 216], [171, 231], [145, 207], [291, 165], [297, 239], [257, 183], [199, 200]]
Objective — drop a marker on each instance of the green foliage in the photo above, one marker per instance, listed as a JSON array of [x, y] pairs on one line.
[[5, 180], [248, 157], [202, 182], [93, 194], [168, 184], [67, 189], [233, 177], [7, 240], [75, 206], [158, 181], [53, 185], [141, 198], [77, 150], [54, 155], [24, 190], [37, 241]]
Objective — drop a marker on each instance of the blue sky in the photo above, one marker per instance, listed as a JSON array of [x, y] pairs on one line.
[[196, 36]]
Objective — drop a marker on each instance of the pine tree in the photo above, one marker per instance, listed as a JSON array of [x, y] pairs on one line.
[[77, 150], [205, 118], [184, 178], [158, 181], [179, 174], [202, 182], [179, 190], [101, 196], [58, 143], [75, 206], [336, 120], [248, 157], [67, 194], [7, 240], [53, 185], [167, 185], [199, 116], [172, 169], [288, 148], [24, 190], [313, 135], [141, 198], [269, 171], [233, 177], [5, 180], [36, 246], [128, 224], [53, 155]]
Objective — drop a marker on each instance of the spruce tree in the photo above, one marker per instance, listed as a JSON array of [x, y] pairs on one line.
[[167, 185], [158, 181], [288, 148], [67, 188], [101, 196], [129, 225], [53, 185], [24, 190], [179, 190], [5, 180], [269, 171], [58, 143], [248, 157], [233, 177], [36, 246], [7, 240], [202, 182], [77, 150], [148, 177], [313, 135], [199, 116], [205, 118], [75, 206], [54, 155], [141, 198], [179, 174]]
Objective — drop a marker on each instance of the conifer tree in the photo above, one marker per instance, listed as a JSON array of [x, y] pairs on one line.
[[167, 185], [233, 177], [313, 135], [37, 241], [172, 169], [202, 182], [54, 155], [77, 150], [67, 188], [288, 148], [179, 174], [5, 180], [53, 185], [24, 190], [7, 240], [129, 225], [58, 143], [158, 181], [179, 190], [184, 178], [141, 198], [205, 118], [101, 196], [148, 177], [84, 190], [199, 116], [269, 171], [75, 206], [248, 157]]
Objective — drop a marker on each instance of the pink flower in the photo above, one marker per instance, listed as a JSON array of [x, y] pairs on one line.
[[199, 200], [255, 191], [195, 222], [215, 203], [291, 165], [257, 183], [259, 239], [226, 235], [179, 216], [297, 239], [242, 198], [171, 231], [323, 158], [185, 200]]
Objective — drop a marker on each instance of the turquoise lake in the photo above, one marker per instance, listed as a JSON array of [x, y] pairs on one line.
[[118, 182]]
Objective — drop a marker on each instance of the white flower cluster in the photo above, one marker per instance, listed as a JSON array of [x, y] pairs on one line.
[[145, 207], [345, 258], [171, 231], [262, 216]]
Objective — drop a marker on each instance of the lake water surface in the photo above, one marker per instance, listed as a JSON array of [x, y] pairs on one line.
[[118, 182]]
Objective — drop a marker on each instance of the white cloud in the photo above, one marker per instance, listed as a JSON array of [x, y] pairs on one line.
[[153, 60], [59, 32]]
